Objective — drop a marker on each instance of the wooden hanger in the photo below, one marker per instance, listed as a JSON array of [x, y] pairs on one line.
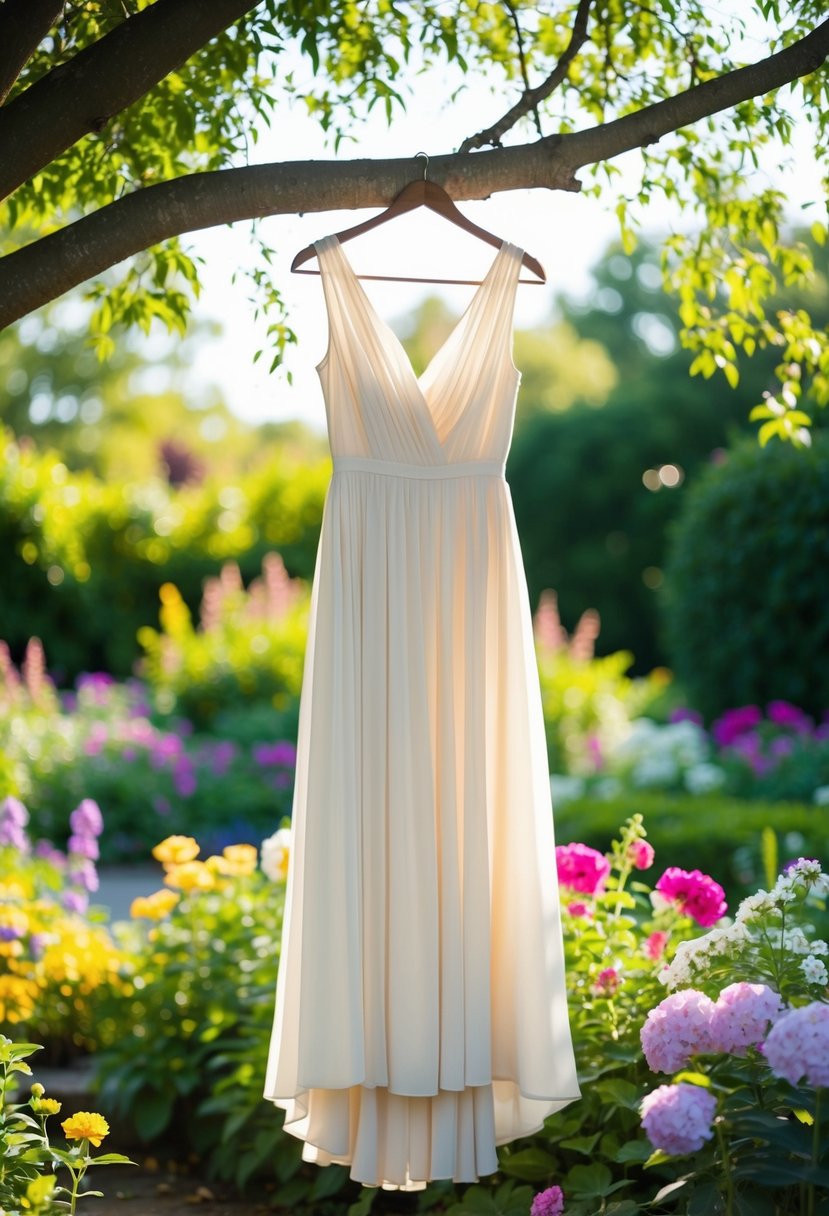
[[420, 193]]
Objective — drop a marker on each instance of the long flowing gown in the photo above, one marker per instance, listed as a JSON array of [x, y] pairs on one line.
[[421, 1013]]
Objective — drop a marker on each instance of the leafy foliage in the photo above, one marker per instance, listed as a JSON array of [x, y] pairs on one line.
[[747, 581]]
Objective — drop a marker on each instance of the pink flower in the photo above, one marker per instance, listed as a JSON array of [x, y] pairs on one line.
[[678, 1028], [797, 1047], [578, 909], [641, 854], [695, 894], [83, 846], [656, 943], [86, 819], [607, 982], [741, 1016], [581, 868], [678, 1118], [548, 1203]]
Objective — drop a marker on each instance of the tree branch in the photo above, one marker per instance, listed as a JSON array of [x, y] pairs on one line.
[[54, 264], [103, 79], [531, 97], [23, 26]]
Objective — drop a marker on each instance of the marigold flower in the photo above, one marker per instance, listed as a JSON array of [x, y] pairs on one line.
[[155, 906], [176, 850], [242, 859], [190, 876], [46, 1106], [86, 1125]]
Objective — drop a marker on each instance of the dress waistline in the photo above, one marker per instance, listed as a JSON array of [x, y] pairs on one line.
[[426, 472]]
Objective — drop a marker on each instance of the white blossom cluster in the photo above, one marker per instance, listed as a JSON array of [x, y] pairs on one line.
[[658, 755]]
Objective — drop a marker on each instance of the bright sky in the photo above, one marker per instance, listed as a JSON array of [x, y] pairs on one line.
[[566, 232]]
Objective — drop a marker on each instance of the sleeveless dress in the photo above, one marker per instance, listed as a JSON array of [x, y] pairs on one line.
[[421, 1014]]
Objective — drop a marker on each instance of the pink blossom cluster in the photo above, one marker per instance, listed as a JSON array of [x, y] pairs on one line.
[[641, 854], [548, 1203], [694, 893], [678, 1028], [797, 1047], [607, 982], [655, 944], [678, 1118], [741, 1016], [581, 868]]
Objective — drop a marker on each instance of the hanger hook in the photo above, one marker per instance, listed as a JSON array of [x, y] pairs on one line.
[[425, 162]]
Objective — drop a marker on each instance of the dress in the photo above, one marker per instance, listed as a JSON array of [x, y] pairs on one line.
[[421, 1014]]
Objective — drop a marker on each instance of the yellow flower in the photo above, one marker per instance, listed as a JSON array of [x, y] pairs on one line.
[[12, 949], [46, 1106], [17, 998], [14, 919], [190, 876], [85, 1125], [218, 865], [242, 858], [175, 850], [155, 906]]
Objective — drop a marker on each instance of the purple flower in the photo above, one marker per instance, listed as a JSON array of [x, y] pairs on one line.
[[581, 868], [735, 722], [783, 713], [548, 1203], [9, 933], [83, 872], [678, 1118], [282, 754], [83, 846], [783, 745], [46, 850], [38, 943], [741, 1016], [14, 836], [684, 714], [86, 819], [12, 810], [75, 901], [797, 1047], [694, 893], [678, 1028], [184, 777]]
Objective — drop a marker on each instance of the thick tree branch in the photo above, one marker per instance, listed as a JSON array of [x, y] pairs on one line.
[[103, 79], [528, 102], [50, 266], [23, 26]]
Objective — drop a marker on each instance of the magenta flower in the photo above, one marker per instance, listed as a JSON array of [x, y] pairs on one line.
[[678, 1028], [578, 909], [548, 1203], [656, 943], [797, 1046], [581, 868], [684, 714], [86, 819], [606, 982], [641, 854], [741, 1016], [678, 1118], [783, 713], [281, 754], [694, 893], [736, 722]]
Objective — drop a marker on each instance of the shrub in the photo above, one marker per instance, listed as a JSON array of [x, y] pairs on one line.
[[745, 609]]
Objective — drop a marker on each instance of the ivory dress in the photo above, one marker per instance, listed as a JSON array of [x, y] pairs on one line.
[[421, 1014]]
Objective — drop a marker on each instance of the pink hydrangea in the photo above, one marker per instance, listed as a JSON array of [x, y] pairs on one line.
[[656, 943], [695, 894], [678, 1028], [581, 868], [548, 1203], [641, 854], [678, 1118], [797, 1046], [741, 1016]]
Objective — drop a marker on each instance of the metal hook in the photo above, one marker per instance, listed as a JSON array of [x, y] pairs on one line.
[[426, 164]]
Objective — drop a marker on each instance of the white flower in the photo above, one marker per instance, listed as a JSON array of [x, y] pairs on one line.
[[806, 867], [655, 770], [704, 777], [754, 907], [820, 947], [815, 971], [820, 886], [797, 942], [275, 854]]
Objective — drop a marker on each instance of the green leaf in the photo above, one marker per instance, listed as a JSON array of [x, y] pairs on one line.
[[529, 1164], [152, 1113]]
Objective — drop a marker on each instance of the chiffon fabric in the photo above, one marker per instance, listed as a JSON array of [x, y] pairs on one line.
[[421, 1014]]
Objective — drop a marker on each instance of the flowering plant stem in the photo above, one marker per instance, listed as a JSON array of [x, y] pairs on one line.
[[729, 1182], [815, 1150]]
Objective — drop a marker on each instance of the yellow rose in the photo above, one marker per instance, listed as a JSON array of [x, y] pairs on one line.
[[176, 850], [190, 876], [155, 906], [86, 1125], [242, 858]]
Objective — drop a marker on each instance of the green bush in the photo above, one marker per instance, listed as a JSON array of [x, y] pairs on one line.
[[746, 598], [709, 832], [87, 559]]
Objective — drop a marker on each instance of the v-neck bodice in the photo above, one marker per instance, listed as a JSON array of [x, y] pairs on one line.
[[461, 409]]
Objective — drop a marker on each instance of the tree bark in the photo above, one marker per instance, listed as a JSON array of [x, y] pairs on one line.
[[23, 26], [82, 95], [47, 268]]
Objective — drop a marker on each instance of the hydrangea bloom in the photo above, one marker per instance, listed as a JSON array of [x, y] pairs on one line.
[[741, 1016], [797, 1046], [678, 1028], [697, 895], [641, 854], [581, 868], [548, 1203], [678, 1118]]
